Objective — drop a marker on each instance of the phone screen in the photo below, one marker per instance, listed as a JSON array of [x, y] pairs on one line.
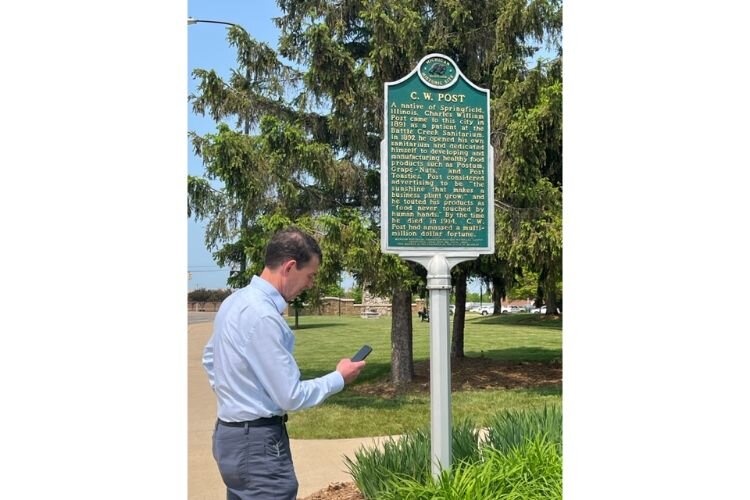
[[362, 353]]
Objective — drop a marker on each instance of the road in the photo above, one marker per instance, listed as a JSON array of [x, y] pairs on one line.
[[200, 317]]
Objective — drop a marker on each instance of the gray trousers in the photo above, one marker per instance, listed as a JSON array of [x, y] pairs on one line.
[[255, 462]]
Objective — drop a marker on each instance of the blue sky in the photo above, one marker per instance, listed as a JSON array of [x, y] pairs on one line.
[[208, 49]]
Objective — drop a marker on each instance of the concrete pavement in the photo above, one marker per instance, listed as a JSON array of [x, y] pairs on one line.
[[318, 462]]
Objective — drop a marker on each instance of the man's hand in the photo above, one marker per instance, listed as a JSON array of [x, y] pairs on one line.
[[349, 369]]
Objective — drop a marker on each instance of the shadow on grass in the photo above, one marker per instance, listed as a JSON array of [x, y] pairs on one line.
[[520, 319], [354, 402], [310, 326], [409, 399], [372, 372], [545, 390], [519, 354]]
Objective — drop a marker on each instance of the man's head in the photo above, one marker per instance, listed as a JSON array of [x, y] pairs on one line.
[[292, 261]]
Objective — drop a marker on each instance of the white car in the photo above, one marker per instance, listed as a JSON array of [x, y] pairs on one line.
[[486, 310], [543, 310]]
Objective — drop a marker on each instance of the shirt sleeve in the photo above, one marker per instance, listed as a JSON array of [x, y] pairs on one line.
[[208, 361], [277, 370]]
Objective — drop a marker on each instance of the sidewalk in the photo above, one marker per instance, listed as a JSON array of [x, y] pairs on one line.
[[318, 462]]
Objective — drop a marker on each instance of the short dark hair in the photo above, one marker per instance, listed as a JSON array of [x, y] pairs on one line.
[[291, 244]]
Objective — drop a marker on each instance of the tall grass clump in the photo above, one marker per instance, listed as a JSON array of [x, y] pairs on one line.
[[511, 428], [408, 457], [521, 458], [531, 471], [373, 467]]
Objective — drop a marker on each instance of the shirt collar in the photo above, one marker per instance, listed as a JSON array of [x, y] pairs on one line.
[[267, 288]]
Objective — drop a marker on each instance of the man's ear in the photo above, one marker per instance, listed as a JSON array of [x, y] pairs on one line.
[[288, 265]]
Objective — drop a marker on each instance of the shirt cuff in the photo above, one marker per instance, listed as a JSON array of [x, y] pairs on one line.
[[335, 381]]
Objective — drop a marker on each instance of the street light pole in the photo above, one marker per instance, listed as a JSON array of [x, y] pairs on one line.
[[191, 20]]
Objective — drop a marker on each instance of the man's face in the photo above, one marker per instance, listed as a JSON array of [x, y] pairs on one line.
[[299, 279]]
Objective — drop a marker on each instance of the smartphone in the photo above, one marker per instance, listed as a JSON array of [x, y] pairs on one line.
[[362, 353]]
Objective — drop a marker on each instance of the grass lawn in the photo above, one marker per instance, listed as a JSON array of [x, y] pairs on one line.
[[323, 340]]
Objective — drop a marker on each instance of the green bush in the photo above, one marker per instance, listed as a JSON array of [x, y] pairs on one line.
[[518, 442], [203, 295], [510, 429], [531, 471], [408, 457]]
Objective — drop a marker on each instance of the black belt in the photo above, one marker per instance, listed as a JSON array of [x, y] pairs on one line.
[[275, 420]]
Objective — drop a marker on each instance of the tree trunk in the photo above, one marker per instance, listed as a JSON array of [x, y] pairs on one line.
[[498, 294], [550, 291], [541, 285], [402, 361], [457, 346]]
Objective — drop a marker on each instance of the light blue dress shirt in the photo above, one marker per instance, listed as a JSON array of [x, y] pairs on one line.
[[249, 359]]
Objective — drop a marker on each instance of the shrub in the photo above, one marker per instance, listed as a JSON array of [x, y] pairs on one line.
[[203, 295], [531, 471], [519, 459], [408, 457], [510, 429]]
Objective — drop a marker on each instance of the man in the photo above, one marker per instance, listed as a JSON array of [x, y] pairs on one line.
[[255, 378]]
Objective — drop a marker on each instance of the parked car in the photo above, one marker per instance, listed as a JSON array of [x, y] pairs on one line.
[[486, 310], [452, 309], [543, 310]]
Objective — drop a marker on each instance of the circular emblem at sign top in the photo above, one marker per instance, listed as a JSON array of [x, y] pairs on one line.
[[438, 71]]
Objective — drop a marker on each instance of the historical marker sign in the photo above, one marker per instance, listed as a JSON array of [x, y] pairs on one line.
[[437, 180], [437, 200]]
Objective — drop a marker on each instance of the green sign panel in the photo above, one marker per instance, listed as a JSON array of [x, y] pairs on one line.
[[437, 177]]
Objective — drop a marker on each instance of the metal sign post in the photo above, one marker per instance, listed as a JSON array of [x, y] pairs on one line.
[[439, 284], [437, 200]]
